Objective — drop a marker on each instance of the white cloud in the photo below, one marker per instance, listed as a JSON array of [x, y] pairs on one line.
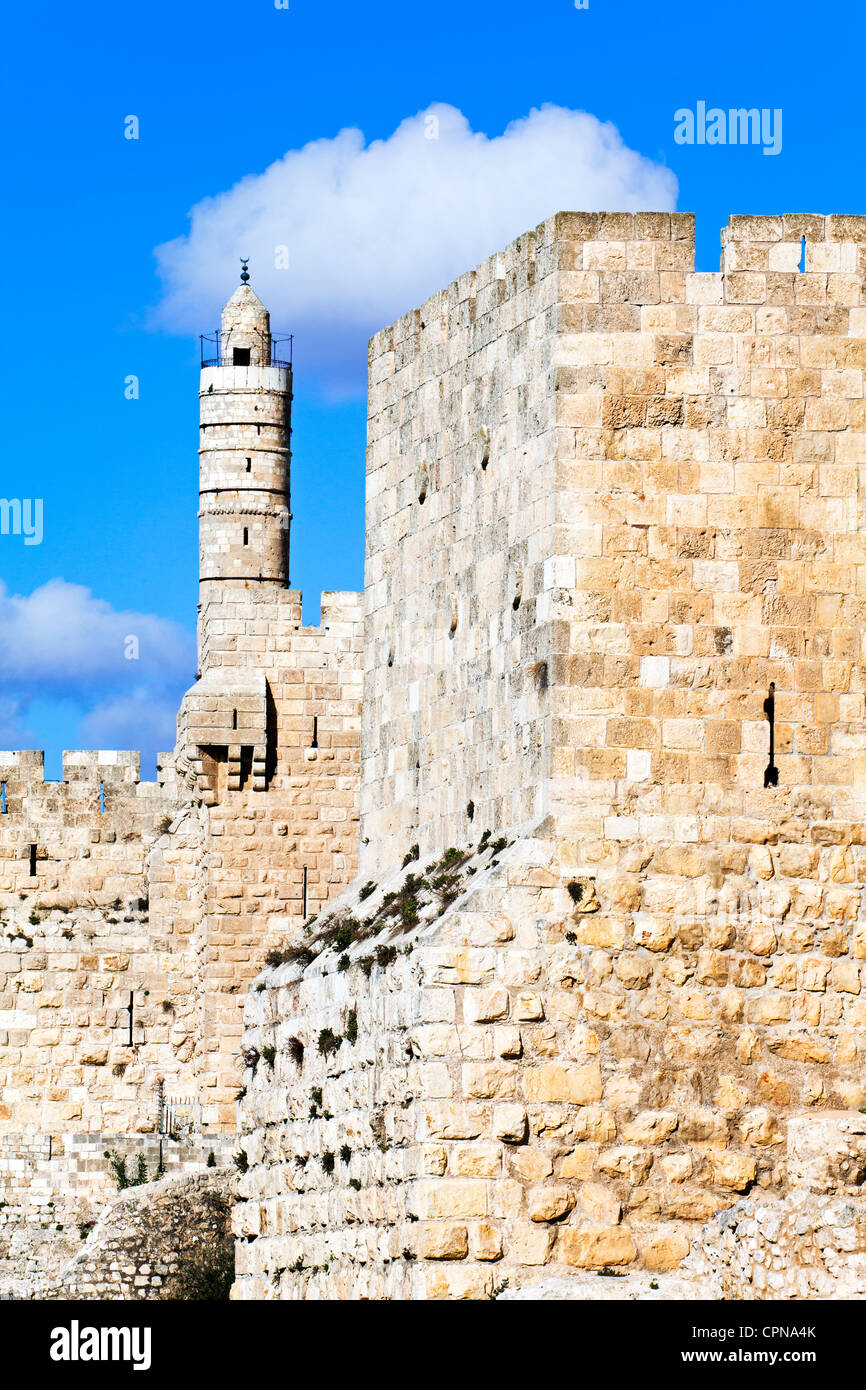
[[67, 651], [140, 720], [14, 731], [372, 230], [61, 640]]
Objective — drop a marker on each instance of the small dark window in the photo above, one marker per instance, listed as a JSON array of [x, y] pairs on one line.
[[315, 742], [32, 861], [240, 357], [305, 893], [234, 719], [246, 536], [249, 465]]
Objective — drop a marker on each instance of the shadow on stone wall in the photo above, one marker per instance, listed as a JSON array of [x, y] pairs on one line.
[[166, 1239]]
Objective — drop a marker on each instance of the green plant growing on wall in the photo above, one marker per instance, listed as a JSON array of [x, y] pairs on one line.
[[137, 1176], [329, 1042], [352, 1027], [345, 934]]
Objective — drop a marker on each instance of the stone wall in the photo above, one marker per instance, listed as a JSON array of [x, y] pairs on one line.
[[54, 1189], [610, 501], [276, 849], [101, 919], [145, 1237], [601, 1043], [461, 499], [536, 1087], [809, 1244]]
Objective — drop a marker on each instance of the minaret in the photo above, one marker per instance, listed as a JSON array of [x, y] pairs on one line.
[[246, 395]]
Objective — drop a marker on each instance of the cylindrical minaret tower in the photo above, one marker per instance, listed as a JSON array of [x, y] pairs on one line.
[[246, 395]]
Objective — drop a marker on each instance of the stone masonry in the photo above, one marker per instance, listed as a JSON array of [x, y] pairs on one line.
[[555, 848], [614, 561]]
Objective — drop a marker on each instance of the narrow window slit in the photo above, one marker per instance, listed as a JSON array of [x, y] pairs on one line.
[[249, 465], [304, 913], [315, 742], [246, 535], [32, 861], [102, 798], [802, 265], [2, 798], [771, 772]]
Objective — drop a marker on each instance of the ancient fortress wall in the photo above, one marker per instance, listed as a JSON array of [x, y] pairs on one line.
[[277, 853], [80, 934], [595, 1041], [461, 498]]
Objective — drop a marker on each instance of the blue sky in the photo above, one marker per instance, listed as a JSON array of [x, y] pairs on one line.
[[223, 91]]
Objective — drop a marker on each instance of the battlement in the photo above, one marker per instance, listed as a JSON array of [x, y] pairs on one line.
[[116, 770], [624, 263]]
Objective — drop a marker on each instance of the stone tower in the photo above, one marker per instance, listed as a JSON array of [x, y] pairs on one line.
[[244, 517], [246, 394]]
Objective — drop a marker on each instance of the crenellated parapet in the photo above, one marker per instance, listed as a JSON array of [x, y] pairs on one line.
[[83, 838]]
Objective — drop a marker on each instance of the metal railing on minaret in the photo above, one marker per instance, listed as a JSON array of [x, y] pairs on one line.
[[276, 349]]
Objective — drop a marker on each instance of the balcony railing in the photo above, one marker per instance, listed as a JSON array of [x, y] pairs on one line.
[[271, 349]]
